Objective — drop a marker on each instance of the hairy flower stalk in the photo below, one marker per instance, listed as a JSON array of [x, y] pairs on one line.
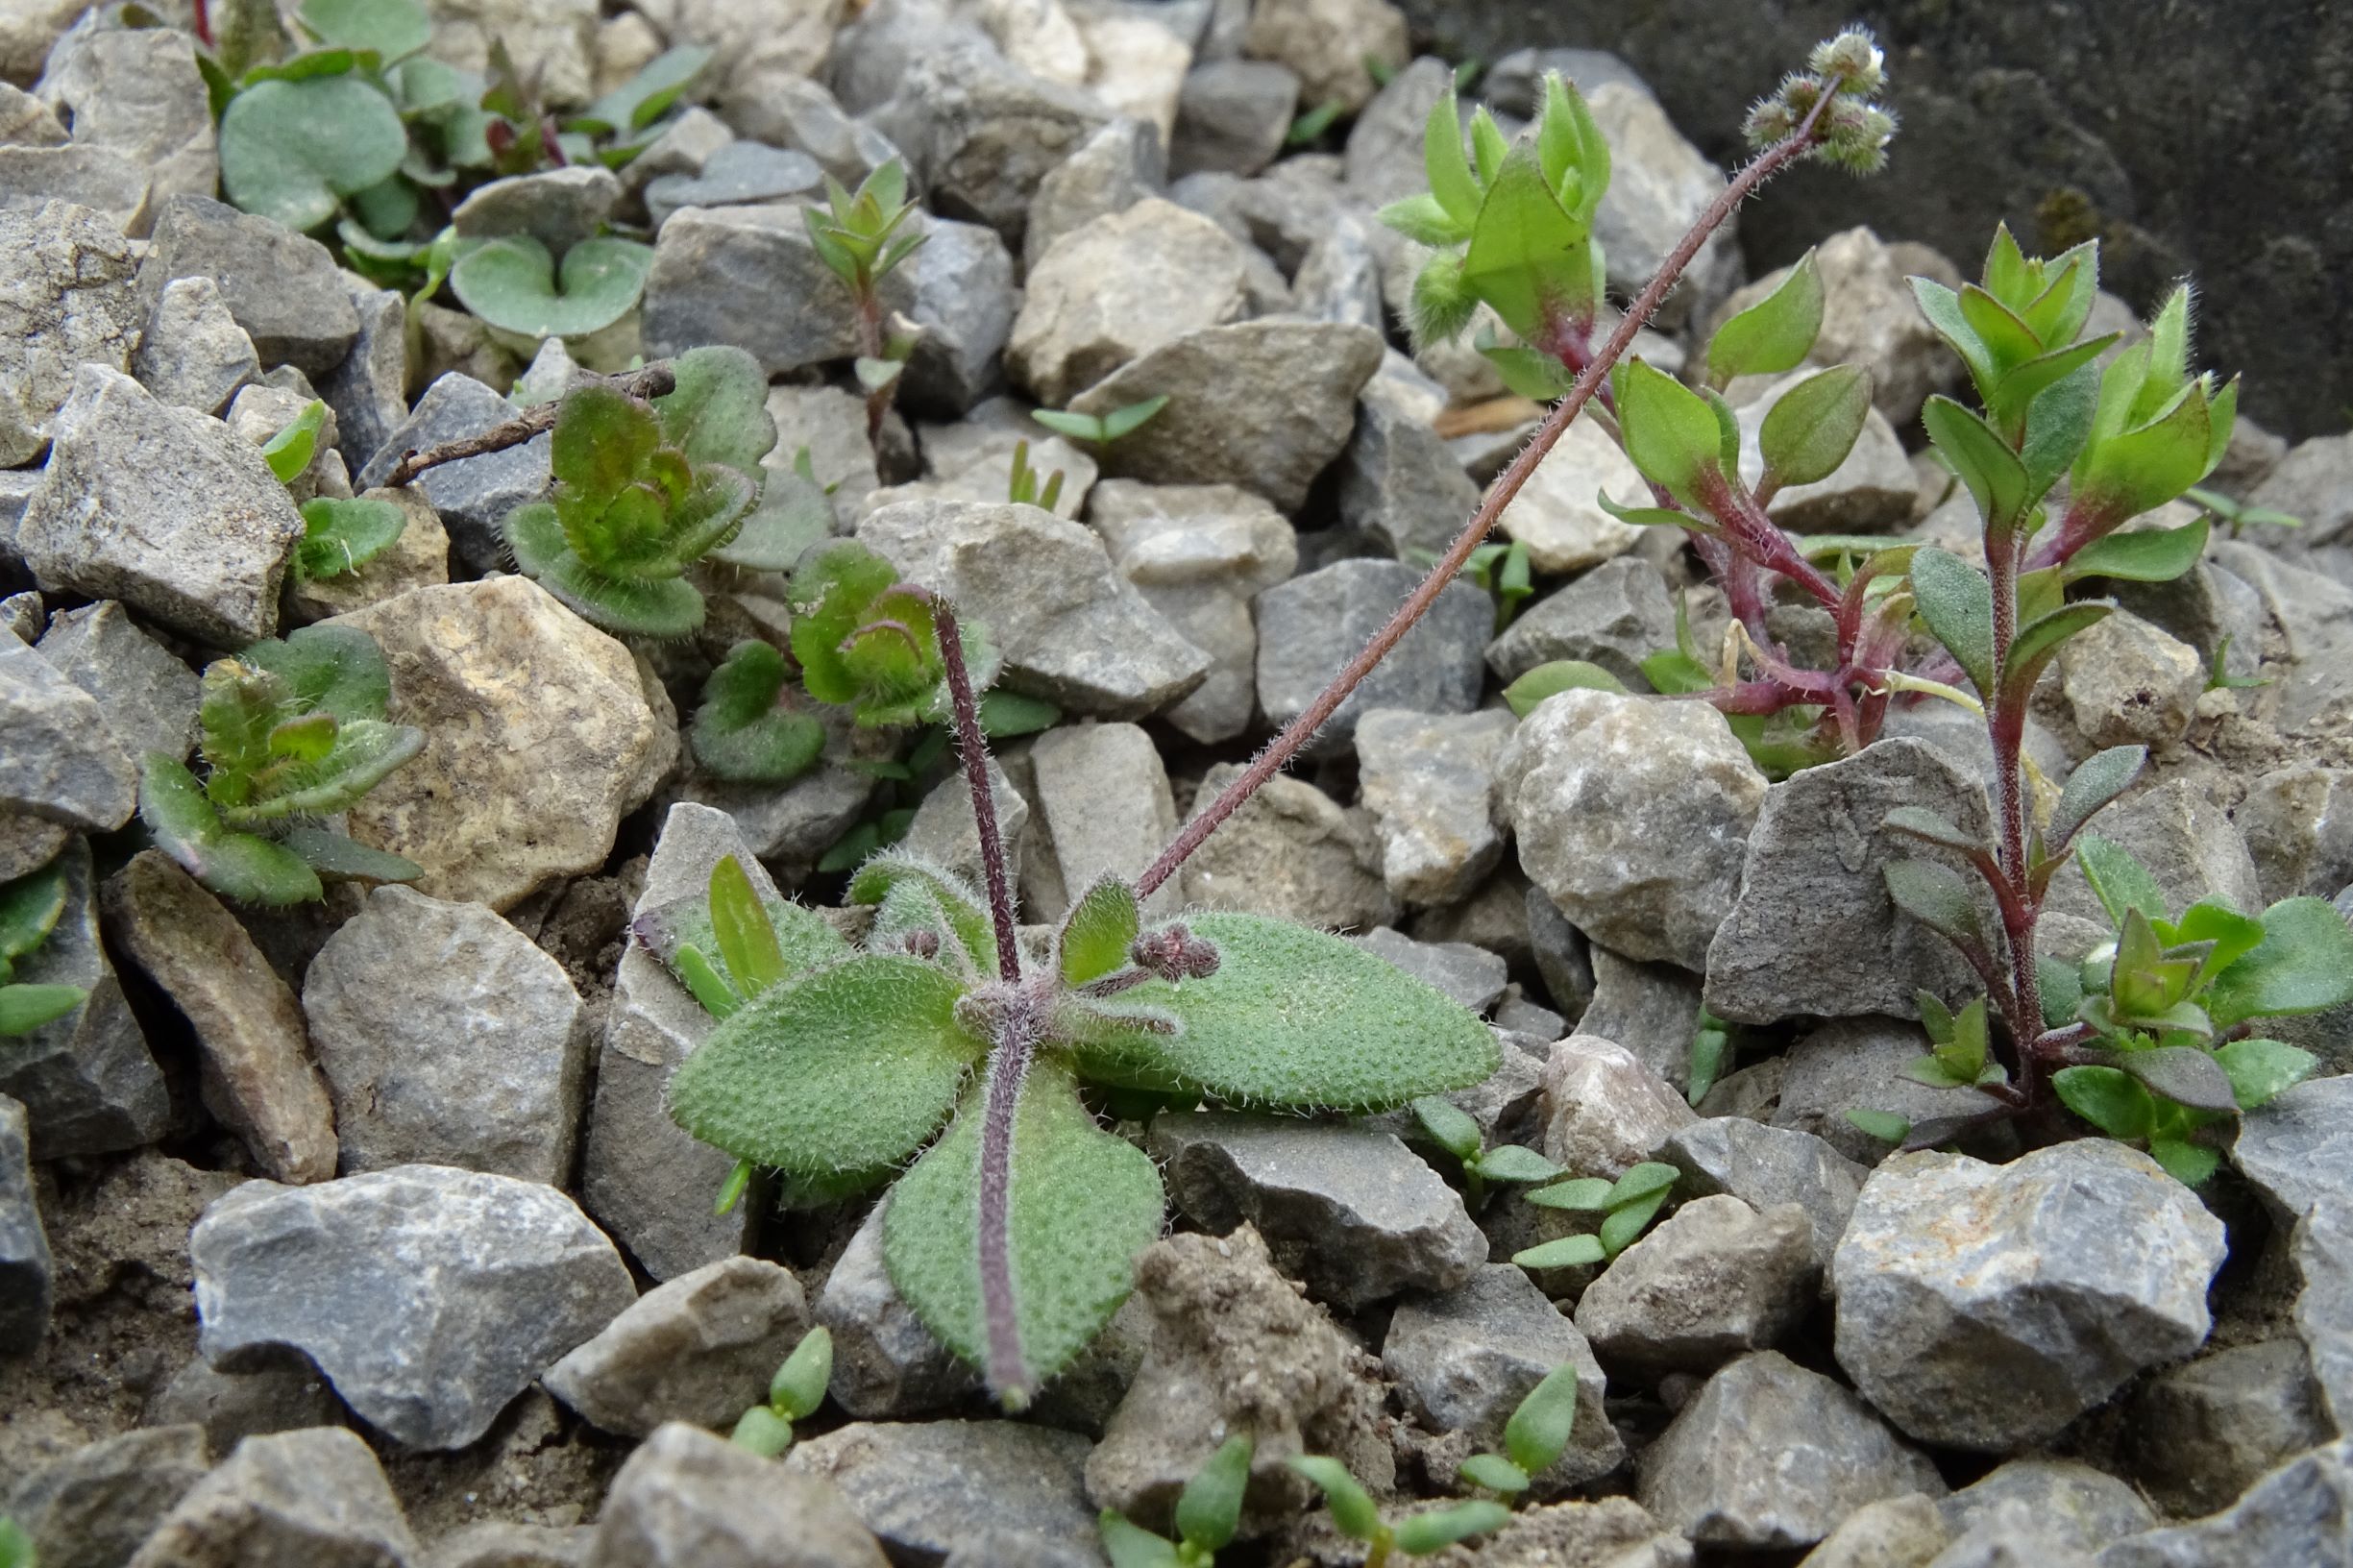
[[1278, 753]]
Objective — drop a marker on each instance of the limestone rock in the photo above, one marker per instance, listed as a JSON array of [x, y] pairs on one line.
[[1714, 1279], [1291, 852], [284, 288], [256, 1074], [699, 1349], [60, 760], [537, 739], [68, 298], [1119, 287], [1634, 815], [316, 1497], [447, 1038], [430, 1297], [687, 1499], [1427, 779], [925, 1487], [1310, 627]]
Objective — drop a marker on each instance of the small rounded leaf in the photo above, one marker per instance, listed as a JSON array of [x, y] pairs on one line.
[[1209, 1509], [1433, 1532], [513, 284], [763, 1431], [1538, 1430], [1493, 1472], [1811, 427], [2260, 1069], [291, 149], [1351, 1508], [2110, 1100], [1773, 334], [798, 1387]]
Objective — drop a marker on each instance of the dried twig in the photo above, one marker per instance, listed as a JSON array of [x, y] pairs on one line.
[[653, 381]]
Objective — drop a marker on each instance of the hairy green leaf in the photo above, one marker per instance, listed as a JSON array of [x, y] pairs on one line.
[[1936, 897], [328, 669], [30, 909], [846, 1068], [1995, 478], [718, 412], [2187, 1163], [1919, 822], [341, 535], [1097, 933], [741, 733], [1811, 427], [674, 929], [1957, 602], [2184, 1074], [1671, 431], [1299, 1017], [747, 939], [2097, 780], [1528, 258], [243, 866], [1884, 1125], [2038, 641], [960, 906], [2304, 964], [2153, 555], [1080, 1204], [1452, 185], [2117, 880], [291, 149], [1005, 715], [798, 1387], [1773, 334], [1132, 1546], [339, 859], [2261, 1069], [2108, 1099]]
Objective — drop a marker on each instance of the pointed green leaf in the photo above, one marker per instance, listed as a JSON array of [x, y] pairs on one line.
[[1452, 185], [1525, 371], [343, 860], [1132, 1546], [238, 866], [1450, 1125], [1919, 822], [2189, 1163], [803, 935], [2058, 424], [1423, 1534], [1811, 429], [1936, 897], [2108, 1099], [2097, 780], [1423, 221], [1352, 1507], [1568, 1252], [1538, 1430], [25, 1008], [289, 452], [1773, 334], [646, 96], [2154, 555], [1671, 431], [329, 669], [1209, 1509], [718, 411], [365, 752], [1995, 478], [1097, 933], [1005, 715], [747, 939], [1299, 1017], [1571, 149], [2304, 964], [798, 1387], [2038, 641], [2117, 880], [1932, 1072], [1957, 602], [2261, 1069], [1493, 1472], [1884, 1125], [1641, 1181], [1528, 258], [1128, 418], [1942, 308], [30, 908], [1513, 1163], [846, 1069], [1080, 1204], [959, 904], [2023, 384], [1621, 1225]]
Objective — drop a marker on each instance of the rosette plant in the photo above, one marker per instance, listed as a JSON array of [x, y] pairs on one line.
[[944, 1039]]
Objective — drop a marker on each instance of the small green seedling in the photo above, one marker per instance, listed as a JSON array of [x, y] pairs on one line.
[[2160, 1021], [746, 730], [1023, 488], [15, 1546], [869, 641], [857, 237], [289, 732], [1311, 125], [1536, 1435], [793, 1395], [643, 493], [2218, 677], [1208, 1511], [1711, 1048], [30, 909], [1416, 1536], [341, 535], [2237, 514], [1100, 430], [1458, 1135], [1495, 568], [1013, 1232], [1625, 1205]]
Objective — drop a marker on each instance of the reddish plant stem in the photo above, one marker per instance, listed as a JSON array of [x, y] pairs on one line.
[[974, 749], [203, 23], [1015, 1042], [2005, 729], [1507, 485]]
